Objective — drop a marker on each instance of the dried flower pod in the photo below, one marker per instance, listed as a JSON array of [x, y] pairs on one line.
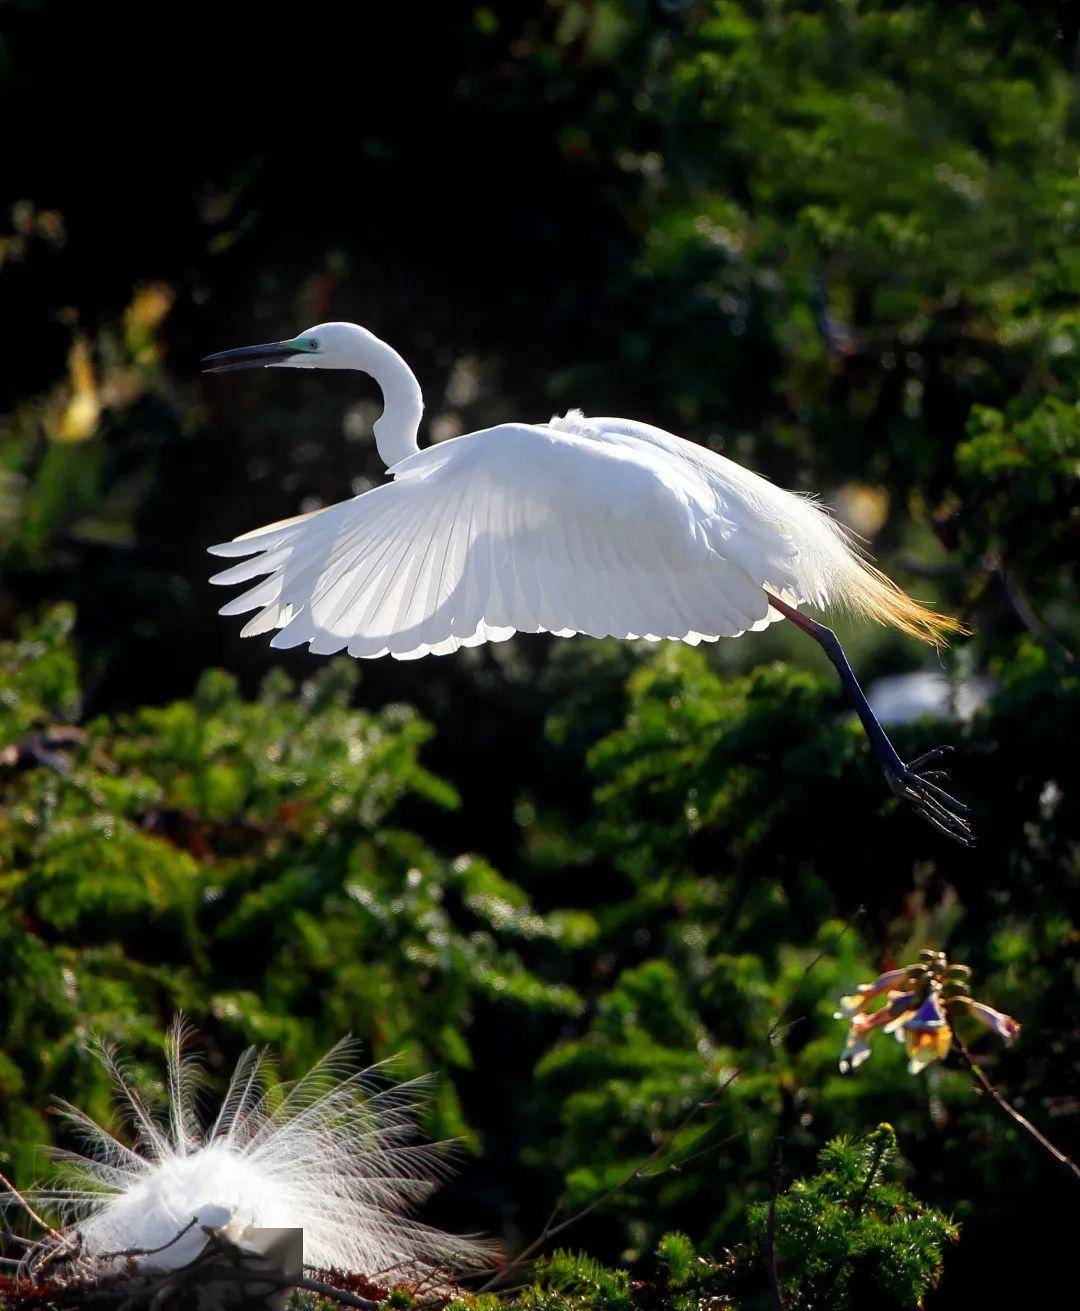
[[918, 1011]]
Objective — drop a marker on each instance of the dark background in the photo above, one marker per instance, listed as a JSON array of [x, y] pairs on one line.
[[836, 241]]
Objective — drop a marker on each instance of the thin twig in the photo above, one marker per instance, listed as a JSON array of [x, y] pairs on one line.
[[149, 1251], [864, 1192], [9, 1236], [335, 1294], [388, 1270], [770, 1230], [55, 1233], [1066, 1163], [667, 1141], [427, 1283], [41, 1257], [871, 1174], [673, 1167]]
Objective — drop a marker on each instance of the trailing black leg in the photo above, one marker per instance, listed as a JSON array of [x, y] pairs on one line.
[[910, 781]]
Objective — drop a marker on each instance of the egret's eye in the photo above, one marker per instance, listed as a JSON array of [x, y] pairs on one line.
[[313, 344]]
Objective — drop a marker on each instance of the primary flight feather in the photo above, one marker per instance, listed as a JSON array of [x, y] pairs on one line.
[[598, 526]]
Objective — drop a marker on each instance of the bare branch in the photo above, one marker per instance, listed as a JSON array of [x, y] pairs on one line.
[[770, 1230], [1065, 1163], [334, 1294], [54, 1233], [149, 1251]]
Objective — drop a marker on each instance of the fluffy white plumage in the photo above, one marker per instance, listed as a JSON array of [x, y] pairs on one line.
[[601, 526], [508, 530], [333, 1153], [605, 526]]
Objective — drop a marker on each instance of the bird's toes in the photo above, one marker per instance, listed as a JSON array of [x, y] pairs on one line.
[[928, 757], [944, 798], [938, 807], [951, 825], [958, 827]]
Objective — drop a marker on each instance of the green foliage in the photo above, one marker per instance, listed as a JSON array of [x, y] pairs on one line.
[[848, 1235], [686, 1029], [877, 204], [236, 859], [851, 1235], [835, 239], [741, 818], [1023, 461], [569, 1279], [41, 683]]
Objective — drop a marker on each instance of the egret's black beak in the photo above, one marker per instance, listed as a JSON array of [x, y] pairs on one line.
[[248, 357]]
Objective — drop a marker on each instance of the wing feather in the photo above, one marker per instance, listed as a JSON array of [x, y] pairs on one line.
[[517, 528], [266, 591]]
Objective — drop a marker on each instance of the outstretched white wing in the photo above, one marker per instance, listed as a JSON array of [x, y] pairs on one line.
[[516, 528]]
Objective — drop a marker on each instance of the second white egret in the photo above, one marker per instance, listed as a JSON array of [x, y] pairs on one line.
[[606, 527]]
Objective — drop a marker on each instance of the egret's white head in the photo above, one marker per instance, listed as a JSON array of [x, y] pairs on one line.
[[326, 346], [344, 346]]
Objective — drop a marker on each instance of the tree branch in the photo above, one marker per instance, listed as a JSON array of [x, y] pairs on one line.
[[552, 1229], [984, 1085], [53, 1233], [770, 1230], [334, 1294]]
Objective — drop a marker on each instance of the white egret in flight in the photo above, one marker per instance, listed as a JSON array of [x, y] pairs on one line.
[[606, 527]]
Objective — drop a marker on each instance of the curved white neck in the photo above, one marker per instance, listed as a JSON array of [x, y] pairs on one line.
[[403, 402]]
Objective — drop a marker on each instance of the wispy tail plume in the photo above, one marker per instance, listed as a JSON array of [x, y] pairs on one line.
[[834, 570], [873, 595]]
